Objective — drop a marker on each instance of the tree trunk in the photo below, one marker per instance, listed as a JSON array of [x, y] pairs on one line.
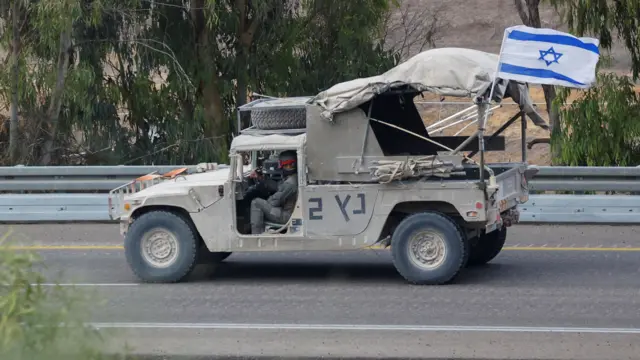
[[14, 153], [241, 91], [530, 16], [53, 112], [245, 34], [549, 96], [215, 124], [244, 42]]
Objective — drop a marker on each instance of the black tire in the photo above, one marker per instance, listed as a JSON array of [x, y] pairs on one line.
[[279, 119], [208, 257], [455, 244], [487, 247], [187, 245]]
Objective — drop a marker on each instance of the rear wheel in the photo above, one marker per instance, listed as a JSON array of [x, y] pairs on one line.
[[429, 248], [161, 246], [487, 247]]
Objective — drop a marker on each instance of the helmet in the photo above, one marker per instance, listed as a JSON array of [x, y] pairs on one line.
[[287, 161]]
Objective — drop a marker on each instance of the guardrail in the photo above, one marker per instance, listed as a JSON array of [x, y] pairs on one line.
[[79, 193], [71, 179], [583, 178]]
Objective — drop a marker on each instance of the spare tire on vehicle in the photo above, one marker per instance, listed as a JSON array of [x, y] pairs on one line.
[[278, 119], [280, 113]]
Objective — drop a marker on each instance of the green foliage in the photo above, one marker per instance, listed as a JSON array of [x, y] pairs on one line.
[[205, 60], [340, 42], [42, 23], [38, 322], [601, 128]]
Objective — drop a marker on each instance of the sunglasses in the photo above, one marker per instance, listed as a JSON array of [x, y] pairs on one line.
[[286, 163]]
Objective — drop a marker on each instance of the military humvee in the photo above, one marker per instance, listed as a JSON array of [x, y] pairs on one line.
[[369, 173]]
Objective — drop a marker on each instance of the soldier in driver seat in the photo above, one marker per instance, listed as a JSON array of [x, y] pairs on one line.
[[279, 206]]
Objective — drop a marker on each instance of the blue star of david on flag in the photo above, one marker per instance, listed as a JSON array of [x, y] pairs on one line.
[[553, 53], [523, 57]]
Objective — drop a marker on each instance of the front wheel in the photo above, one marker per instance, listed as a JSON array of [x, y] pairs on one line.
[[161, 246], [429, 248]]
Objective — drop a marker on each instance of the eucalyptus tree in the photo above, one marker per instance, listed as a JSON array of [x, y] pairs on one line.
[[148, 81]]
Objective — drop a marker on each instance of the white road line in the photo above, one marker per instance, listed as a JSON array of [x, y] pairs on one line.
[[97, 284], [333, 327]]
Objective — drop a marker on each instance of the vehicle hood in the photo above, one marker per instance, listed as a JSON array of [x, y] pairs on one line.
[[182, 183]]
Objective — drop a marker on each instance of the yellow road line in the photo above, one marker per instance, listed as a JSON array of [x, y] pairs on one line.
[[507, 248], [67, 247], [562, 248], [541, 248]]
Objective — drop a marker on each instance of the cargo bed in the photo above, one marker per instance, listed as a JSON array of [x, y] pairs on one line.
[[512, 179]]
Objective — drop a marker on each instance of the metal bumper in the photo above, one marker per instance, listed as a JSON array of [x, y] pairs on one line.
[[124, 226]]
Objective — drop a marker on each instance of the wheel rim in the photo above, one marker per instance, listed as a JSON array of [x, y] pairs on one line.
[[159, 248], [427, 249]]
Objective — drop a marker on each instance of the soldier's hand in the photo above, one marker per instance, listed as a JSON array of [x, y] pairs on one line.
[[255, 175]]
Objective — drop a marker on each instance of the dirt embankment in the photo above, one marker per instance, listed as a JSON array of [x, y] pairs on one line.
[[432, 112]]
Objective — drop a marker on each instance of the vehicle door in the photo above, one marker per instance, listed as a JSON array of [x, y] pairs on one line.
[[337, 210]]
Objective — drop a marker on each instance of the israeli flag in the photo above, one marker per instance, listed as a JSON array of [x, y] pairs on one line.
[[547, 56]]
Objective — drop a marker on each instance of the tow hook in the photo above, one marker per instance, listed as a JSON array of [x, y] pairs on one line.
[[511, 217]]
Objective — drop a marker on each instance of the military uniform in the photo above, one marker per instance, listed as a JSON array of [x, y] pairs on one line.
[[277, 208]]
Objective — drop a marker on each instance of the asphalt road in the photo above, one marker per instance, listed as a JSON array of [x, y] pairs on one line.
[[556, 292]]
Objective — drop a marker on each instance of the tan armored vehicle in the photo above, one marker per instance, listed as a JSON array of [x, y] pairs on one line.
[[368, 173]]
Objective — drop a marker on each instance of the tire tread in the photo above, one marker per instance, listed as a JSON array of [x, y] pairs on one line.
[[279, 119], [177, 276], [461, 237]]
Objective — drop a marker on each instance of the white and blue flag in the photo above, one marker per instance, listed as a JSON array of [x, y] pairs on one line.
[[547, 56]]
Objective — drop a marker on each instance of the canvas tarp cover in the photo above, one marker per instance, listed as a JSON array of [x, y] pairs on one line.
[[454, 72]]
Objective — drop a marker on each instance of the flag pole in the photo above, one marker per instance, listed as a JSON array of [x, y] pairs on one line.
[[495, 75], [483, 114]]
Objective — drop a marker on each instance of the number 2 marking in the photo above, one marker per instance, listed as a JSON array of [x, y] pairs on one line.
[[314, 210]]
